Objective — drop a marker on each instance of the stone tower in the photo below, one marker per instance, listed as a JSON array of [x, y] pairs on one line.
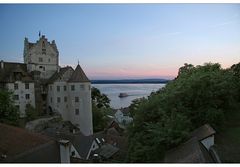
[[41, 56]]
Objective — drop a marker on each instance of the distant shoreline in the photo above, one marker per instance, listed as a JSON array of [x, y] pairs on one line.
[[131, 81]]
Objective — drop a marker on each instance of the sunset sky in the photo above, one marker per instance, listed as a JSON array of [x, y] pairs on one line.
[[115, 41]]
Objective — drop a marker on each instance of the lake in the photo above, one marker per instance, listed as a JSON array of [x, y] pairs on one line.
[[133, 90]]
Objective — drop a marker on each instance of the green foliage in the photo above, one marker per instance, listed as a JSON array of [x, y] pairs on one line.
[[199, 95], [100, 108], [101, 100], [31, 113], [9, 114], [135, 105], [99, 118]]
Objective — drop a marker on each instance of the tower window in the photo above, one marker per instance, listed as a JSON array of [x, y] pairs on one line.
[[43, 51], [59, 100], [76, 111], [76, 99], [58, 88], [26, 85], [27, 96], [43, 44], [15, 86], [82, 87]]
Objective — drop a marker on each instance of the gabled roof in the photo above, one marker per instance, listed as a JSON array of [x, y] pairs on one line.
[[107, 150], [191, 151], [19, 144], [80, 142], [78, 75], [203, 132], [8, 70], [58, 75]]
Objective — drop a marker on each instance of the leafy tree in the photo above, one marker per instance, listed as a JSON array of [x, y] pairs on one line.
[[100, 106], [199, 95], [9, 114], [101, 100], [31, 113]]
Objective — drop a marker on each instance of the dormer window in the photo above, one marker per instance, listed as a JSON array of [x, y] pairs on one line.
[[44, 51], [43, 44]]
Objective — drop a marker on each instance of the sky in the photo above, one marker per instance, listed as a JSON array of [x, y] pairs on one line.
[[117, 41]]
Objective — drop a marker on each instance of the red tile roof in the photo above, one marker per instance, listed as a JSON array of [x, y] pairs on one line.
[[14, 140]]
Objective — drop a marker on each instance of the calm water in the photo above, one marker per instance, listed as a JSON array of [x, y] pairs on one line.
[[133, 90]]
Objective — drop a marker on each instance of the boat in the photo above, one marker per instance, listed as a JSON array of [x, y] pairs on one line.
[[123, 95]]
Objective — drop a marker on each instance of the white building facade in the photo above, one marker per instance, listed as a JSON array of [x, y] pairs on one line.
[[41, 56], [15, 78], [23, 94], [69, 93], [62, 90]]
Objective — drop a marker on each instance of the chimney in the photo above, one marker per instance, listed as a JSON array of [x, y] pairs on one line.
[[64, 151], [2, 64]]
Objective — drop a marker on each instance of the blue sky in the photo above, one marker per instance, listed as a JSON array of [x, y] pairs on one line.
[[113, 41]]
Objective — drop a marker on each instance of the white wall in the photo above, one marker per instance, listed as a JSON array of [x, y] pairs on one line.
[[49, 61], [64, 151], [84, 119], [67, 109], [208, 142], [21, 92]]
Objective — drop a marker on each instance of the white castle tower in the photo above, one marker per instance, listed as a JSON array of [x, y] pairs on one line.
[[41, 56], [69, 93]]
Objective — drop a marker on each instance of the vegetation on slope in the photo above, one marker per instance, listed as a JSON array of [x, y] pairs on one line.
[[199, 95], [9, 114], [100, 106]]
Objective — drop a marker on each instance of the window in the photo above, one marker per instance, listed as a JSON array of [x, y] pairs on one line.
[[82, 87], [43, 44], [27, 96], [15, 86], [59, 100], [76, 111], [18, 107], [72, 87], [51, 99], [15, 97], [26, 85], [76, 99], [65, 88], [73, 153], [48, 60], [58, 88], [40, 59], [65, 98]]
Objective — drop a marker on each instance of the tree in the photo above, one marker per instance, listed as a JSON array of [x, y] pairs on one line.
[[101, 100], [9, 114], [199, 95], [31, 113], [100, 106]]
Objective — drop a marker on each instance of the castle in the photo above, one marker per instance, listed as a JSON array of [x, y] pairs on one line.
[[41, 82]]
